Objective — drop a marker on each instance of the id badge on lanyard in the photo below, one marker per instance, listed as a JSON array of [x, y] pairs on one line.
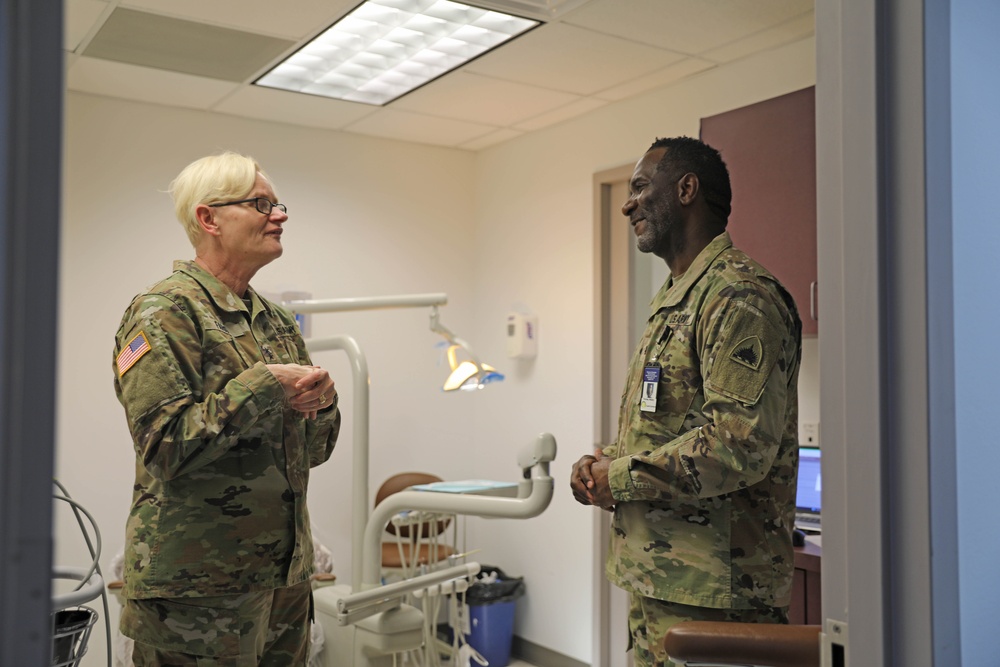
[[650, 385]]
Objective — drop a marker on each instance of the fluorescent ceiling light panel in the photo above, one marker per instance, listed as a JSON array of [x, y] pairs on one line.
[[386, 48]]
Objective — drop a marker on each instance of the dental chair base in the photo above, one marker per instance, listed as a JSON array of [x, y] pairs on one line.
[[372, 641]]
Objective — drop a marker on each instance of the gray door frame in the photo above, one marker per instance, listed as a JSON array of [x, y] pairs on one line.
[[890, 567], [31, 89], [612, 348]]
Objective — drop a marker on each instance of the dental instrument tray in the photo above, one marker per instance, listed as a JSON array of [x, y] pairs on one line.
[[479, 487]]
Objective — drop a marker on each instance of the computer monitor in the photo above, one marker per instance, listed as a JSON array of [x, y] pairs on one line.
[[809, 492]]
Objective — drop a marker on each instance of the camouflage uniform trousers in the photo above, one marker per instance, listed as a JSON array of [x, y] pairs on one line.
[[649, 619], [265, 629]]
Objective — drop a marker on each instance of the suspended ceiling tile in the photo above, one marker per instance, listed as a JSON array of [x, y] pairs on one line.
[[570, 59], [130, 82], [688, 26], [79, 18], [543, 10], [791, 31], [292, 20], [419, 128], [658, 79], [571, 110], [161, 42], [491, 139], [295, 108], [482, 99]]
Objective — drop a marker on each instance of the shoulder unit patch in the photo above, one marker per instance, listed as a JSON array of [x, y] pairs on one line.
[[748, 352]]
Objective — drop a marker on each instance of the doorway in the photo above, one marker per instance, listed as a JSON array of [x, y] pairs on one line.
[[627, 281]]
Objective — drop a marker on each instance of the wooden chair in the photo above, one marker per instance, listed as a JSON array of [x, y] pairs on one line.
[[416, 543]]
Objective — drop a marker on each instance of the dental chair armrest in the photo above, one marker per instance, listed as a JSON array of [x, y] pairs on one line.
[[743, 644]]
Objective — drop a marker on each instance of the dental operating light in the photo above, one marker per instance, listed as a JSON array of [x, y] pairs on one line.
[[466, 374], [386, 48]]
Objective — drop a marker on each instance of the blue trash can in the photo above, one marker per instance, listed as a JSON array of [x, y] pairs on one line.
[[491, 614]]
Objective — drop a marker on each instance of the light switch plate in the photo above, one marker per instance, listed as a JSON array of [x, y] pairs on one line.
[[809, 434]]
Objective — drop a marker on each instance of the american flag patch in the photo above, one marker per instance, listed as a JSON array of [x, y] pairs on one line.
[[131, 353]]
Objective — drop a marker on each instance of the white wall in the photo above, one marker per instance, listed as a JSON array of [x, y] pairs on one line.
[[975, 143], [508, 228], [534, 232]]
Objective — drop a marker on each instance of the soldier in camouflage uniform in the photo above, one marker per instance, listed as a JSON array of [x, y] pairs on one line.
[[702, 477], [228, 415]]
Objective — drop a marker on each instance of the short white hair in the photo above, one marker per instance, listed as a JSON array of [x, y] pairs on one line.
[[211, 180]]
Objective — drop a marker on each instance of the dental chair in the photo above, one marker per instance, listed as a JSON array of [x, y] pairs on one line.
[[368, 624], [722, 644]]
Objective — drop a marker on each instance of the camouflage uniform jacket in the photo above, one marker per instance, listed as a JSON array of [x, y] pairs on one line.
[[222, 464], [705, 484]]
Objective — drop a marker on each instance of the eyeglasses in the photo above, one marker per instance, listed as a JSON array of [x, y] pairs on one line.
[[262, 204]]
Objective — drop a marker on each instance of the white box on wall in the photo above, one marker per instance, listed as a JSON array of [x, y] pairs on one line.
[[522, 336]]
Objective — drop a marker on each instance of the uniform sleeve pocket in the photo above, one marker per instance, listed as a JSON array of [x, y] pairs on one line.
[[743, 357], [153, 380]]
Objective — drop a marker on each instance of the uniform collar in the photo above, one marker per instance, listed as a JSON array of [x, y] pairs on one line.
[[676, 287], [218, 292]]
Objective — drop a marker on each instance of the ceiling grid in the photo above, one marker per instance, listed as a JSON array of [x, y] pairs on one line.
[[587, 53]]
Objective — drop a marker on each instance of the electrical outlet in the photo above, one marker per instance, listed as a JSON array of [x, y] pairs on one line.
[[809, 434]]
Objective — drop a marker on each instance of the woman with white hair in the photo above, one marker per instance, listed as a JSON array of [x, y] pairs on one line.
[[227, 414]]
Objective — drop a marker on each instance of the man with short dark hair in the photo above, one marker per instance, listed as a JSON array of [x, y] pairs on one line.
[[701, 479]]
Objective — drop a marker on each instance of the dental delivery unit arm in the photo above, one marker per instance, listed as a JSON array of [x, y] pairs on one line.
[[533, 495], [357, 606]]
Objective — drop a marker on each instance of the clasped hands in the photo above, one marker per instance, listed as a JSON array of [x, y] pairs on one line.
[[589, 481], [308, 389]]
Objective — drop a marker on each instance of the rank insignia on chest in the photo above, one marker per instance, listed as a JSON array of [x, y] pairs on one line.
[[132, 352], [748, 352]]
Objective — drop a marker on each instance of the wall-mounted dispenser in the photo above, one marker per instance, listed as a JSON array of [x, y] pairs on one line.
[[522, 336]]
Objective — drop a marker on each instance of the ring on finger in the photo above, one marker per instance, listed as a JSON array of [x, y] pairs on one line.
[[322, 399]]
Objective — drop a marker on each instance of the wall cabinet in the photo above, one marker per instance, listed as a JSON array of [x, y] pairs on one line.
[[770, 149]]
